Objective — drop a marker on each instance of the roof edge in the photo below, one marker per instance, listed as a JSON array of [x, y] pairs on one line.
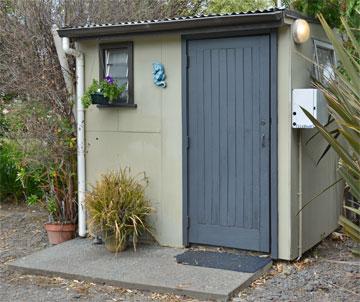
[[173, 25], [293, 14]]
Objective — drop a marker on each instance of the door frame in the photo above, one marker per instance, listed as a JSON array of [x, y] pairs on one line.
[[273, 183]]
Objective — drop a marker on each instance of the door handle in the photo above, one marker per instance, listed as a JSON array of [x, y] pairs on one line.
[[263, 140]]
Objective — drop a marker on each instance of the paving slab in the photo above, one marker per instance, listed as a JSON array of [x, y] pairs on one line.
[[150, 268]]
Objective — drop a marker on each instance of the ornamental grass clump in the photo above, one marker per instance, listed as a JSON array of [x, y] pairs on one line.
[[118, 208]]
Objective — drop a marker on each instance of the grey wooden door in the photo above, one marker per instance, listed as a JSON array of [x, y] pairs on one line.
[[228, 131]]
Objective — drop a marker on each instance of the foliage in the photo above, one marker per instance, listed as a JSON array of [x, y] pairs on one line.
[[182, 7], [47, 175], [17, 179], [52, 207], [79, 12], [32, 179], [60, 191], [28, 56], [332, 10], [342, 95], [117, 205], [228, 6], [39, 117], [108, 88], [9, 159]]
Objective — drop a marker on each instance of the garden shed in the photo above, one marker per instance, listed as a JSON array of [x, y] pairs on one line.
[[217, 132]]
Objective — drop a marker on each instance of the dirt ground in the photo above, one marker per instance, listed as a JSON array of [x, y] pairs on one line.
[[329, 272]]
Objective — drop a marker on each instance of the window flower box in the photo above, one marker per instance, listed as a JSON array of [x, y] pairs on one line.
[[99, 99], [104, 92]]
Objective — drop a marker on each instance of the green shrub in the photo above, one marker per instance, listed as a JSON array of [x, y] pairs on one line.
[[17, 179], [45, 168], [10, 157], [32, 180]]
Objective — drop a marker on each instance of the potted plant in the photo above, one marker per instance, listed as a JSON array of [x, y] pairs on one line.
[[102, 92], [60, 202], [58, 229], [118, 207]]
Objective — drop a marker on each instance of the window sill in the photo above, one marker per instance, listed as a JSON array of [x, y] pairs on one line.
[[120, 105]]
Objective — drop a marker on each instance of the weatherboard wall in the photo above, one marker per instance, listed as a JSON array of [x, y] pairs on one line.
[[320, 218], [147, 138]]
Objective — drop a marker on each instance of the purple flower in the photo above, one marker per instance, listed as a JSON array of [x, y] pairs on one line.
[[109, 79]]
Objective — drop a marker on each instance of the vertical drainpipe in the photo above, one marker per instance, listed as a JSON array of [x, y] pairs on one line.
[[80, 131]]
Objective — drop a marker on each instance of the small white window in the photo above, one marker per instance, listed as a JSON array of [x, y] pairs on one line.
[[325, 61], [117, 62]]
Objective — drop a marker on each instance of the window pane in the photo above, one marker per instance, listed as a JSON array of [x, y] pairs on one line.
[[118, 71], [325, 59], [120, 82], [116, 62], [118, 56], [325, 56]]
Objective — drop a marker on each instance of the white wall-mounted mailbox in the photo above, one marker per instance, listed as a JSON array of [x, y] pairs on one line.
[[313, 101]]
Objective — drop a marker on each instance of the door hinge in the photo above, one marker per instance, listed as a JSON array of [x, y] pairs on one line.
[[187, 142], [187, 62], [188, 222]]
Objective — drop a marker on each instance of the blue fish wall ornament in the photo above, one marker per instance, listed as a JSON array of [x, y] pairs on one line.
[[159, 74]]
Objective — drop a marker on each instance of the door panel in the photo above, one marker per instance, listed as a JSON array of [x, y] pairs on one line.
[[229, 153]]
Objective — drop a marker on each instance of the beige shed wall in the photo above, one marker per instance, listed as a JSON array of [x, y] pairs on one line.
[[320, 217], [152, 135], [147, 138], [284, 143]]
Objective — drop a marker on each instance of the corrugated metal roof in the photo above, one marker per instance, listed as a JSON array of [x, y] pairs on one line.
[[181, 18], [274, 15]]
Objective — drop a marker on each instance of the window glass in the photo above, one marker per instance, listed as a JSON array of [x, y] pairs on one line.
[[325, 60], [116, 66]]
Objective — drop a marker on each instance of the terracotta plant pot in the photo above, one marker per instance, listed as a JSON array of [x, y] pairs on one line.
[[58, 232], [112, 246]]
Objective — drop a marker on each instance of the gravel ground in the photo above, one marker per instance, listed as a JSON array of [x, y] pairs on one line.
[[327, 273]]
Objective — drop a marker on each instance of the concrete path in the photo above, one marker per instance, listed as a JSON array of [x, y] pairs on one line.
[[150, 268]]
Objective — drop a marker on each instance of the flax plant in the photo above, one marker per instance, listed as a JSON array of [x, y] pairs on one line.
[[118, 207], [342, 94]]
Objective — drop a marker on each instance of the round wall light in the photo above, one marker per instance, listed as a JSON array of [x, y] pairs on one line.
[[301, 31]]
